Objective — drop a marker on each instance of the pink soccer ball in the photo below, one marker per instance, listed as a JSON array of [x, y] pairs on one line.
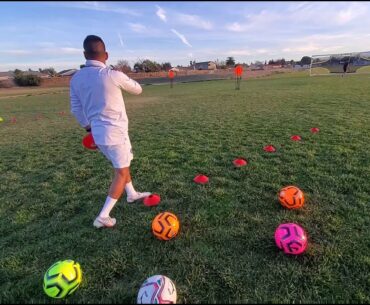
[[291, 238]]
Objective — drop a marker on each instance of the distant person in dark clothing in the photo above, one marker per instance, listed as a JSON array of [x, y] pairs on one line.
[[345, 66]]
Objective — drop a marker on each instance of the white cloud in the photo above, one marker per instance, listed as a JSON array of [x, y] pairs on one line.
[[46, 44], [15, 52], [61, 65], [296, 6], [45, 51], [182, 37], [183, 19], [67, 50], [161, 13], [308, 48], [326, 44], [354, 11], [241, 52], [255, 22], [235, 27], [247, 52], [98, 6], [262, 51], [137, 27], [194, 21], [120, 39], [302, 16]]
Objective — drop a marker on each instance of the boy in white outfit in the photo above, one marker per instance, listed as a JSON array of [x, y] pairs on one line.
[[97, 104]]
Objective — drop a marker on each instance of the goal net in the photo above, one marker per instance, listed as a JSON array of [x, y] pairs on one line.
[[334, 64]]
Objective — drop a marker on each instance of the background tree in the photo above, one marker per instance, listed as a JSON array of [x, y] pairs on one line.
[[166, 66], [17, 72], [22, 79], [306, 60], [230, 61], [123, 66], [147, 65], [49, 71]]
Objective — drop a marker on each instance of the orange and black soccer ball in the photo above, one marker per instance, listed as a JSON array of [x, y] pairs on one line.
[[291, 197], [165, 226]]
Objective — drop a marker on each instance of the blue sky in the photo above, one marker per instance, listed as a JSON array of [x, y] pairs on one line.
[[43, 34]]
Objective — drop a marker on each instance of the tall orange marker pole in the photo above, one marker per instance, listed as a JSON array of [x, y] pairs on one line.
[[238, 71], [171, 76]]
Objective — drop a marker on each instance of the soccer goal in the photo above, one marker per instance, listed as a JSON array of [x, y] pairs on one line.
[[337, 64]]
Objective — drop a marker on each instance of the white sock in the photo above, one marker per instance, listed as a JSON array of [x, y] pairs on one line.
[[129, 188], [108, 206]]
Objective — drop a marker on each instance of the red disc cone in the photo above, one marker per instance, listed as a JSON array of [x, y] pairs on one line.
[[240, 162], [88, 142], [201, 179], [296, 138], [152, 200], [315, 130], [13, 120], [269, 148]]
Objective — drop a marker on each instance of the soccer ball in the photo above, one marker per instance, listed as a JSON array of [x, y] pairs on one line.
[[291, 238], [62, 279], [157, 289], [291, 197], [165, 226]]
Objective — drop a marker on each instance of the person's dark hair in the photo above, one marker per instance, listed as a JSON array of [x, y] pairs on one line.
[[94, 46]]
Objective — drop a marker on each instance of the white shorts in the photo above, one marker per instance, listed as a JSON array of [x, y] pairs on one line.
[[120, 155]]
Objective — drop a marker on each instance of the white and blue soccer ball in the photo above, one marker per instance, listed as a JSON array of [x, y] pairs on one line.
[[157, 289]]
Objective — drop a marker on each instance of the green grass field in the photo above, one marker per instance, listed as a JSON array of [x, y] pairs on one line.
[[52, 189]]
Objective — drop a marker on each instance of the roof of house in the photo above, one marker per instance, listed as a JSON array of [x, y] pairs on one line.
[[204, 62], [67, 72]]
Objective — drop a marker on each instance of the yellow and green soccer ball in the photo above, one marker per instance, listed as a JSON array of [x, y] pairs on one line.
[[62, 279]]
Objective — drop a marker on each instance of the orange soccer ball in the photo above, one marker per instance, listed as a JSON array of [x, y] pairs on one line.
[[291, 197], [165, 226]]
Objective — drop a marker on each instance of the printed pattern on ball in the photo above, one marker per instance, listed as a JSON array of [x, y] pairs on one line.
[[291, 238], [165, 226], [62, 279], [157, 289], [291, 197]]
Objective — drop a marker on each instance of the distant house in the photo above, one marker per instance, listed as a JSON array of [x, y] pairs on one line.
[[207, 65], [68, 72], [257, 67]]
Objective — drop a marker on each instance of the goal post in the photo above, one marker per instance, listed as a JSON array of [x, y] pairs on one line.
[[337, 64]]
